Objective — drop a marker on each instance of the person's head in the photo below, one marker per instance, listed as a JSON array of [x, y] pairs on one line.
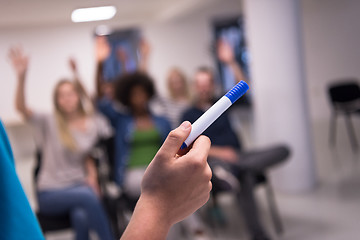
[[67, 102], [204, 84], [177, 84], [67, 98], [134, 90]]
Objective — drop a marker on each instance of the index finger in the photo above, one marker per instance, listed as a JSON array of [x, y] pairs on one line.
[[174, 140], [200, 148]]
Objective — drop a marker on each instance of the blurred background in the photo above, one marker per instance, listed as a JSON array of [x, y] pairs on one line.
[[291, 51]]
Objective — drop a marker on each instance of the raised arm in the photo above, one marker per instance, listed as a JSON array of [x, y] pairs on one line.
[[20, 62], [225, 54], [77, 81], [144, 49], [102, 51]]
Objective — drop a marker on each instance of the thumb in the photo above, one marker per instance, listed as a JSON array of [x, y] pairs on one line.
[[174, 140]]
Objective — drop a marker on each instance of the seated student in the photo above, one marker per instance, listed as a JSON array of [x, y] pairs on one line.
[[67, 181], [162, 203], [178, 99], [139, 133], [225, 148]]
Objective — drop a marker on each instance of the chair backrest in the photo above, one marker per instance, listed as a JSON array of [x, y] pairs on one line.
[[344, 92], [107, 155], [38, 161]]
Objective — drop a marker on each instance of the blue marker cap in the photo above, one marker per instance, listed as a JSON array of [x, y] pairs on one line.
[[237, 91], [183, 146]]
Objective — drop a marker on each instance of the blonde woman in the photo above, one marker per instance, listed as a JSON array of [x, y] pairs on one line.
[[177, 99], [67, 181]]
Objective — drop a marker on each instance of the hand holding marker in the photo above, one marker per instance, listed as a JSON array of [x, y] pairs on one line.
[[213, 113]]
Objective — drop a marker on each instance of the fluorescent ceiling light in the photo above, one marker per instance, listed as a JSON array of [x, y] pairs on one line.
[[93, 14]]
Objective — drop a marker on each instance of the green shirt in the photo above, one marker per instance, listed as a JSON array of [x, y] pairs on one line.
[[144, 146]]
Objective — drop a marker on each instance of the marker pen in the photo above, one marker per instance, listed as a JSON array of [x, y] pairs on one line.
[[213, 113]]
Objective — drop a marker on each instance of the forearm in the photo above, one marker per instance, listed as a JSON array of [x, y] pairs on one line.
[[237, 71], [79, 84], [99, 80], [146, 223], [143, 64], [20, 102], [216, 151], [91, 168], [224, 153]]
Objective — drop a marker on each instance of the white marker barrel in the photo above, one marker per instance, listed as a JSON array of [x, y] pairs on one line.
[[203, 122], [213, 113]]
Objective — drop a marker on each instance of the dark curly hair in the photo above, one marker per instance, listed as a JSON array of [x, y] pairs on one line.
[[125, 83]]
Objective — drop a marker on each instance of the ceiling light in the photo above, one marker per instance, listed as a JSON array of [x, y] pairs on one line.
[[93, 14]]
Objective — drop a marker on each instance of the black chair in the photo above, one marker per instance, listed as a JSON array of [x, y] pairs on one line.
[[49, 223], [117, 204], [345, 100], [102, 153], [251, 172]]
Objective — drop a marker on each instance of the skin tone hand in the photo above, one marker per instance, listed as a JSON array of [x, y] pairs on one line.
[[20, 64], [225, 53], [226, 153], [173, 187], [19, 61], [144, 49], [73, 65], [102, 49], [91, 178]]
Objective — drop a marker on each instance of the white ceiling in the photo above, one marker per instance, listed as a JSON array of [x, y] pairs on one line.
[[15, 13]]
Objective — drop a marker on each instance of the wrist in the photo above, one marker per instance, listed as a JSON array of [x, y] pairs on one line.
[[153, 214], [231, 62], [21, 77]]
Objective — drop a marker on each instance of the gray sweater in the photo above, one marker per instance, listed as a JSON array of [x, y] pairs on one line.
[[61, 167]]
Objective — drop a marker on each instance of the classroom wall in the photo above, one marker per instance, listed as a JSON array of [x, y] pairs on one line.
[[331, 35], [49, 49], [183, 41]]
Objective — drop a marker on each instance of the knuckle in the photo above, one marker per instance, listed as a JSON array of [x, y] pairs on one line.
[[196, 164], [160, 155], [207, 197], [174, 134], [208, 173], [210, 186], [206, 139]]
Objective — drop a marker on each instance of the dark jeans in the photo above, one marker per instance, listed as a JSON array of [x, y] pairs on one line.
[[84, 207], [247, 170]]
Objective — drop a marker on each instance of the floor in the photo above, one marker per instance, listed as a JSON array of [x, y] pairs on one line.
[[329, 212]]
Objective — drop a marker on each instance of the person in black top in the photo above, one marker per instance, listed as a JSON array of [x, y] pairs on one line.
[[225, 152]]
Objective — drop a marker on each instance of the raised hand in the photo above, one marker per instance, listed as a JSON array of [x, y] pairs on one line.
[[19, 61], [102, 49], [144, 48], [73, 65], [225, 52]]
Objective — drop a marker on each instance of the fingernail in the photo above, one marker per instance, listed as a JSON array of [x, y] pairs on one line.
[[185, 125]]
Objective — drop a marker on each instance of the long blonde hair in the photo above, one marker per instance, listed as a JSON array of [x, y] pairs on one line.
[[181, 75], [65, 135]]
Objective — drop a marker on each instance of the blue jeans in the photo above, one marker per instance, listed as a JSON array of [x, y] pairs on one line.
[[84, 207]]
